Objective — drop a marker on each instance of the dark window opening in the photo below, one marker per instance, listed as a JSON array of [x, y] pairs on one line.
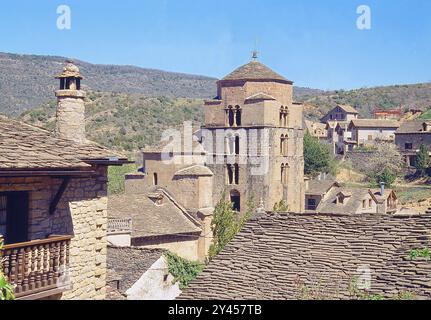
[[14, 213], [238, 115], [231, 115], [155, 179], [229, 174], [236, 174], [235, 199], [237, 145], [311, 204], [409, 146]]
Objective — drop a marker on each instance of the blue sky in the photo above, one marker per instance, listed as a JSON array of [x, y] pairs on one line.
[[312, 42]]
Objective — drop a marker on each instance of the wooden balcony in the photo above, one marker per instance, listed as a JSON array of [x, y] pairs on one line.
[[38, 269]]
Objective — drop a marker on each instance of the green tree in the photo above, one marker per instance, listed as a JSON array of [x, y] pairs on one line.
[[226, 224], [6, 289], [317, 157], [423, 160], [281, 206], [387, 176]]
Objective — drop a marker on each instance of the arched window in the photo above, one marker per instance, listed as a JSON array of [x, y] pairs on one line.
[[229, 174], [281, 116], [237, 144], [285, 114], [231, 116], [155, 179], [235, 199], [238, 115], [282, 144], [236, 174], [284, 173]]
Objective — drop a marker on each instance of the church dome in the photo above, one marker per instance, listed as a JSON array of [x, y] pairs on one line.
[[255, 70]]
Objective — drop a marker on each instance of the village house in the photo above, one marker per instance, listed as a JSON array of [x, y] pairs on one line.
[[341, 113], [409, 138], [316, 129], [388, 114], [157, 220], [136, 273], [367, 132], [328, 196], [53, 202]]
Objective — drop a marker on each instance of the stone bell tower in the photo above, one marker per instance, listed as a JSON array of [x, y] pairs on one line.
[[70, 115]]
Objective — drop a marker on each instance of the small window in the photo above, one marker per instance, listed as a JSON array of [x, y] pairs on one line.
[[370, 137], [155, 179], [408, 146], [311, 204], [364, 204], [370, 203], [3, 215]]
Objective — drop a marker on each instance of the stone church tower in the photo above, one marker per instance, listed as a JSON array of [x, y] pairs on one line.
[[70, 115], [255, 119]]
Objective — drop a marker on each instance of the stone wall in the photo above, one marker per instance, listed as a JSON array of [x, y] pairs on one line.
[[278, 256], [82, 213]]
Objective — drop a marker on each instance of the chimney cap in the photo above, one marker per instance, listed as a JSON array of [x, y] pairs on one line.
[[70, 70]]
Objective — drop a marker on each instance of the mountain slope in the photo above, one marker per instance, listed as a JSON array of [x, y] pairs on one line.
[[125, 121], [27, 81]]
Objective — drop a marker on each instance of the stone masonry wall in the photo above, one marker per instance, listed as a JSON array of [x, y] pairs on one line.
[[82, 213]]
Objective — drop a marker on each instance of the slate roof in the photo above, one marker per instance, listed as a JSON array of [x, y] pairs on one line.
[[255, 70], [351, 205], [320, 187], [375, 123], [149, 219], [412, 127], [23, 146], [196, 170], [347, 108], [277, 255], [128, 265]]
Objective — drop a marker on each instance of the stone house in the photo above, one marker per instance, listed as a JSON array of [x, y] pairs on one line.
[[136, 273], [327, 197], [316, 129], [158, 222], [53, 203], [366, 132], [388, 114], [341, 113], [409, 138]]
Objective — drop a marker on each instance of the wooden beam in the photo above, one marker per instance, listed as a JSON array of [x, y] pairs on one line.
[[57, 198]]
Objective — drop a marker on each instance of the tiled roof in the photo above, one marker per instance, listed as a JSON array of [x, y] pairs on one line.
[[255, 70], [150, 219], [374, 123], [412, 127], [279, 256], [23, 146]]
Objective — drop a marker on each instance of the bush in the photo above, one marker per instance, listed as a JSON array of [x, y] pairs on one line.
[[6, 289], [422, 161], [387, 177], [182, 270]]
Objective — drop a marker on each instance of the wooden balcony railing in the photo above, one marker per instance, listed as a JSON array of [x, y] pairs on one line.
[[37, 268]]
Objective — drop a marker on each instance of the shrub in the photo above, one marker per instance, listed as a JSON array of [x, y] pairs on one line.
[[317, 157], [6, 289], [182, 270]]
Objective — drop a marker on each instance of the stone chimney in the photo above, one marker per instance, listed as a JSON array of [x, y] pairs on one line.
[[382, 189], [70, 117]]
